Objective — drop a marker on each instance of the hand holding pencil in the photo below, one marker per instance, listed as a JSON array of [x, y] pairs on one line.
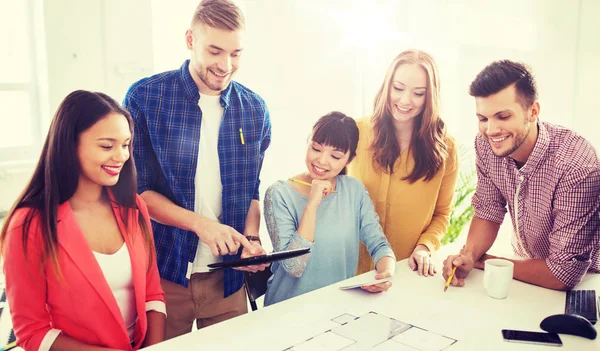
[[299, 181], [456, 269], [295, 180], [450, 279], [319, 189]]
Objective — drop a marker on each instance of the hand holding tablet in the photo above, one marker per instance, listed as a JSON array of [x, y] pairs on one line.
[[369, 281], [267, 258]]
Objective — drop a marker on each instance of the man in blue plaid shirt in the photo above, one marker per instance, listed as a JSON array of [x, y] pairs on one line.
[[200, 140]]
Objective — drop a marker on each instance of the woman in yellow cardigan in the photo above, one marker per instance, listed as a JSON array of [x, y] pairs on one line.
[[408, 162]]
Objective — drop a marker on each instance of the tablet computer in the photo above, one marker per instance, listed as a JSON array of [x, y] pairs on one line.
[[267, 258]]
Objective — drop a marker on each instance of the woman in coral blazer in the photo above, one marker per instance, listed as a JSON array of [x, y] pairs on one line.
[[78, 253]]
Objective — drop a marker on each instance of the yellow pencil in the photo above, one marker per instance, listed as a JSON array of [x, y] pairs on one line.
[[304, 183], [450, 279], [9, 346], [241, 136], [299, 182]]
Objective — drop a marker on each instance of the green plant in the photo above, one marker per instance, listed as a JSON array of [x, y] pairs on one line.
[[465, 187]]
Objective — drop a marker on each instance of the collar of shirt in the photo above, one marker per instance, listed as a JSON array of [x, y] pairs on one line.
[[191, 89], [537, 154]]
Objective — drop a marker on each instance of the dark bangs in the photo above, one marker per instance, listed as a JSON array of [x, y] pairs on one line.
[[337, 130]]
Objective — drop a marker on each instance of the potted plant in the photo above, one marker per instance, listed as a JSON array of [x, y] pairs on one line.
[[465, 187]]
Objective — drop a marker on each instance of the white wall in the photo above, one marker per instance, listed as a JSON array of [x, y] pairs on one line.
[[13, 178], [309, 57], [465, 35], [587, 102], [100, 45], [293, 58], [75, 47], [298, 64]]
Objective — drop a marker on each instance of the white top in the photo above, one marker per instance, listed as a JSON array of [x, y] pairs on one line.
[[208, 174], [119, 276]]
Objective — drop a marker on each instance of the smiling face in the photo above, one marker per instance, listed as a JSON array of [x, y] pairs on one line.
[[325, 162], [103, 149], [407, 92], [504, 122], [215, 56]]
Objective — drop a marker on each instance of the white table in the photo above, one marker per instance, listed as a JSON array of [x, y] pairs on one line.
[[466, 314]]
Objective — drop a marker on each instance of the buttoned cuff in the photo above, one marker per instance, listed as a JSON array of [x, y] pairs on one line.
[[569, 272], [490, 216], [487, 211]]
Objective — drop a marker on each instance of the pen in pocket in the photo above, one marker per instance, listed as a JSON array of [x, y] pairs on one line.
[[241, 136]]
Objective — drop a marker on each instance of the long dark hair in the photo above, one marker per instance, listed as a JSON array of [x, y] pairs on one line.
[[428, 142], [56, 175], [337, 130]]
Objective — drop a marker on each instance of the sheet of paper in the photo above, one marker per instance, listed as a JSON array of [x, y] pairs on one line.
[[312, 329], [371, 329], [325, 342], [365, 282], [423, 340], [343, 319], [392, 345]]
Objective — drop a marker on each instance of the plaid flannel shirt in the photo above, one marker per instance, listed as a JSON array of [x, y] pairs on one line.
[[165, 148], [553, 199]]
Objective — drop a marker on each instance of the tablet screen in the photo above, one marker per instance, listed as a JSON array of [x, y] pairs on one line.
[[275, 256]]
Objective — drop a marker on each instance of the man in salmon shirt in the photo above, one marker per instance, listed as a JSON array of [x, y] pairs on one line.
[[548, 176]]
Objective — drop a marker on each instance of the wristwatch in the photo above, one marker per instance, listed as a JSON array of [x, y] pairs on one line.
[[253, 238]]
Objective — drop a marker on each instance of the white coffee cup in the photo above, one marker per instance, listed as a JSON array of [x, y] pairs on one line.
[[497, 276]]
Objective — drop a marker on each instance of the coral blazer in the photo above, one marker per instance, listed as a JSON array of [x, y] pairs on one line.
[[80, 304]]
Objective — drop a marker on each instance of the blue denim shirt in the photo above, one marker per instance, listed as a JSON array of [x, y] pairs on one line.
[[165, 148]]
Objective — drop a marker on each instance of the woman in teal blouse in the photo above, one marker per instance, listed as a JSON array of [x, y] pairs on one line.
[[327, 211]]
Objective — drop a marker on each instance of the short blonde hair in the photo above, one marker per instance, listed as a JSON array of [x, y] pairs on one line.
[[221, 14]]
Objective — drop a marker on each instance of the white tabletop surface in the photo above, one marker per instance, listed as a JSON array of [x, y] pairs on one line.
[[466, 314]]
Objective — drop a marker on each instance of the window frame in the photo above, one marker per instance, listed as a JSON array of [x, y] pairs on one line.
[[19, 154]]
